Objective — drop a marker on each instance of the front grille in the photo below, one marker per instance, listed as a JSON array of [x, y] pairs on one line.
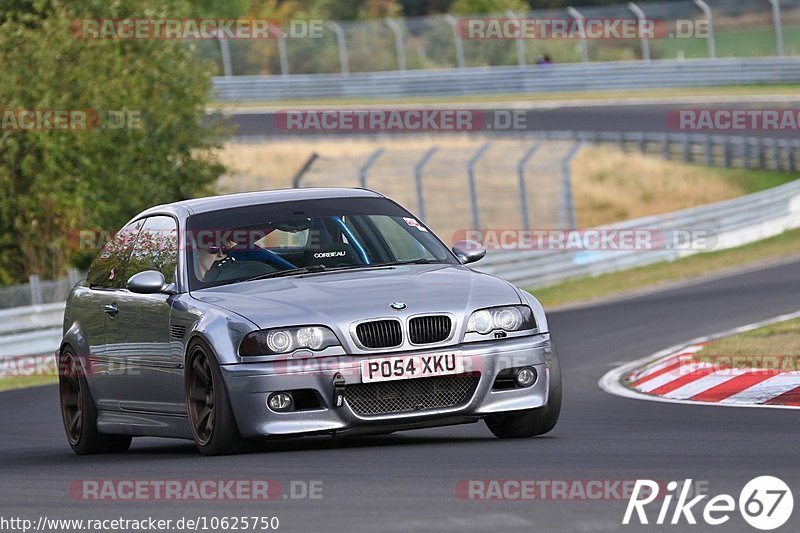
[[429, 329], [410, 395], [380, 334]]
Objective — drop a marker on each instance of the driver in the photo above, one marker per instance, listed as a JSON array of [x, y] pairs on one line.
[[210, 262]]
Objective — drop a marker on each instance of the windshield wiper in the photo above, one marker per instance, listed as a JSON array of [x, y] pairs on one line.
[[313, 269], [289, 272]]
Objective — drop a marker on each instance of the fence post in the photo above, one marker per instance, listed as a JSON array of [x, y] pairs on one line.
[[342, 43], [399, 44], [580, 19], [645, 41], [523, 189], [225, 52], [283, 56], [35, 287], [567, 202], [712, 48], [519, 42], [776, 21], [418, 180], [362, 172], [302, 171], [451, 20], [473, 189], [73, 277]]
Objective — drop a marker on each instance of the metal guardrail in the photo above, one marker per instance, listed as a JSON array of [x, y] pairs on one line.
[[31, 330], [735, 222], [510, 80]]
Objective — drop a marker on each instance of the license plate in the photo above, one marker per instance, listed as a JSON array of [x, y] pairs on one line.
[[411, 366]]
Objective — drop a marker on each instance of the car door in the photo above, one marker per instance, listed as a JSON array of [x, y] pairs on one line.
[[94, 307], [138, 334]]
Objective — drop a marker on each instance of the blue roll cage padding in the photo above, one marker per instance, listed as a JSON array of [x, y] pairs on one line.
[[353, 240]]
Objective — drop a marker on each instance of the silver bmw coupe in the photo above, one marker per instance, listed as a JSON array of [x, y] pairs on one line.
[[292, 313]]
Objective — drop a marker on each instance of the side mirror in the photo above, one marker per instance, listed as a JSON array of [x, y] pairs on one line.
[[147, 282], [469, 251]]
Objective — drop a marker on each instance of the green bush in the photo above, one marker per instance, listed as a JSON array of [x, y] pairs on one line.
[[54, 182]]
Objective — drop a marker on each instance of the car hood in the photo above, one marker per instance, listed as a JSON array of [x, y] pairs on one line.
[[338, 299]]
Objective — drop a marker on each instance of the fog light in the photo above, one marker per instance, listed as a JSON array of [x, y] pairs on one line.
[[526, 376], [280, 401]]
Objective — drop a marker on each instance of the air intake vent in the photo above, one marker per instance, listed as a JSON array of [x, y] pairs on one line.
[[177, 332], [380, 334], [429, 329]]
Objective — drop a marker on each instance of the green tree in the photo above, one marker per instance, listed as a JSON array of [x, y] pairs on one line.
[[54, 183]]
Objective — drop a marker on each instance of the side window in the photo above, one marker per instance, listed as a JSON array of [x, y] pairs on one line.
[[108, 268], [156, 248]]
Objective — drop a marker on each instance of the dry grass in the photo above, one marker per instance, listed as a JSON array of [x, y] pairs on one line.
[[782, 338], [609, 185]]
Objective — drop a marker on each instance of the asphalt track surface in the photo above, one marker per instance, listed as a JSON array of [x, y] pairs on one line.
[[634, 117], [406, 481]]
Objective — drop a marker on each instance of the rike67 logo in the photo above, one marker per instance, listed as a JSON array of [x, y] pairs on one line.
[[765, 503]]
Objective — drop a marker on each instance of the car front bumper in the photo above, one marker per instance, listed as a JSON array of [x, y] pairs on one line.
[[250, 385]]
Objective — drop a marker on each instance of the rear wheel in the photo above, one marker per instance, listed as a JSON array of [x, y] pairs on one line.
[[210, 414], [535, 422], [79, 414]]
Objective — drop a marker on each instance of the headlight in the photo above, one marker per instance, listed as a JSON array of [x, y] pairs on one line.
[[286, 340], [511, 318]]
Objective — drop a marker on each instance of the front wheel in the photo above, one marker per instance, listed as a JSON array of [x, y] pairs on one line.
[[207, 404], [79, 413], [535, 422]]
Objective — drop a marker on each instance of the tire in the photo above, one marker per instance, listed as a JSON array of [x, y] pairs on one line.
[[78, 411], [207, 404], [523, 424]]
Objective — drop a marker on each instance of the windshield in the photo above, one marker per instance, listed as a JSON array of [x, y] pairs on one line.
[[263, 241]]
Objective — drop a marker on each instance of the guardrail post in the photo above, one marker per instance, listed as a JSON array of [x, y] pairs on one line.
[[342, 44], [399, 44], [460, 61], [642, 145], [418, 180], [762, 154], [685, 148], [712, 48], [792, 156], [776, 155], [567, 208], [302, 171], [473, 189], [645, 41], [709, 151], [621, 142], [362, 172], [726, 151], [35, 286], [225, 52], [776, 21], [580, 19], [519, 42], [665, 148], [523, 189]]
